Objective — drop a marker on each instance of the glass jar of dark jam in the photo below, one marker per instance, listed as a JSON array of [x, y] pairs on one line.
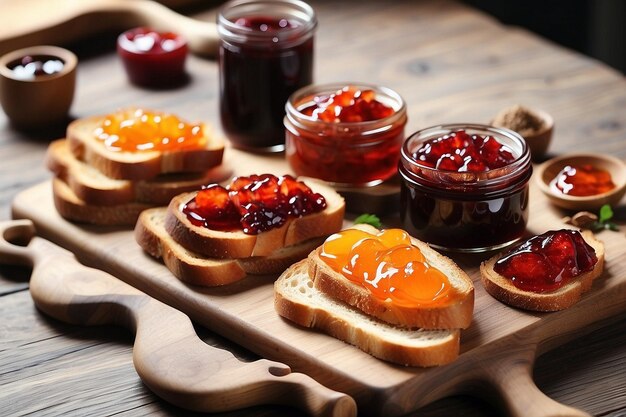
[[266, 53], [465, 211], [342, 151]]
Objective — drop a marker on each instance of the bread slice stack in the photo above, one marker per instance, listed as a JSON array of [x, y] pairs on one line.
[[312, 294], [205, 257], [96, 185]]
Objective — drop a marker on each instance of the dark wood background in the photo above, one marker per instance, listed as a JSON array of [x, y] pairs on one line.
[[450, 63]]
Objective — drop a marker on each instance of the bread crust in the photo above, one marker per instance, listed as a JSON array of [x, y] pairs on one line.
[[195, 269], [404, 347], [454, 315], [95, 188], [502, 289], [139, 165], [236, 244]]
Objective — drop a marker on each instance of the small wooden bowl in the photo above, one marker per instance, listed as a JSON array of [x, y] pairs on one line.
[[546, 172], [40, 101], [539, 141]]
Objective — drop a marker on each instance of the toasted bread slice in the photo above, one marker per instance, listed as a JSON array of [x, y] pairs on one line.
[[94, 188], [237, 244], [74, 209], [297, 299], [195, 269], [454, 315], [144, 165], [503, 289]]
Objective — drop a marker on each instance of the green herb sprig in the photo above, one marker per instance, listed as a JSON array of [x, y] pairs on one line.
[[604, 220], [370, 219]]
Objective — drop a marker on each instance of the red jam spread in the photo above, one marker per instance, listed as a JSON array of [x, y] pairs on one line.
[[253, 204], [546, 262], [152, 58], [29, 67], [461, 152], [137, 130], [387, 265], [348, 105], [583, 180]]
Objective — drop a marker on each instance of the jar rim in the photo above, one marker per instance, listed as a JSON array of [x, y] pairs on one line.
[[228, 30], [486, 179], [294, 114]]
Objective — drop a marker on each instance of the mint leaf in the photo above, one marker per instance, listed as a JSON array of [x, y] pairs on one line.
[[370, 219], [606, 213]]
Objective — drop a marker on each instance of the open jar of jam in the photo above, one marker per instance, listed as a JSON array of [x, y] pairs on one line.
[[266, 53], [465, 186], [348, 135]]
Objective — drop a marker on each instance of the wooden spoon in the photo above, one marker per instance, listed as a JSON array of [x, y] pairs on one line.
[[168, 355]]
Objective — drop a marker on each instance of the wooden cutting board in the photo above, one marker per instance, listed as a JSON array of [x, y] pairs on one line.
[[498, 350]]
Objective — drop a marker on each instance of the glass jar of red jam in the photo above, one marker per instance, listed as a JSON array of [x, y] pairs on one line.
[[266, 53], [471, 206], [360, 146]]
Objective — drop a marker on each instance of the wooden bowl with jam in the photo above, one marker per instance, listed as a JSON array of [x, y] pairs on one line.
[[582, 181]]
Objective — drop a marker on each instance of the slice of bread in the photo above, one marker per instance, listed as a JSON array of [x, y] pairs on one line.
[[503, 289], [454, 315], [195, 269], [144, 165], [94, 188], [297, 299], [237, 244], [74, 209]]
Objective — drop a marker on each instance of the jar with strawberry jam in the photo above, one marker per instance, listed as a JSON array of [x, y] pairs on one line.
[[465, 186], [348, 135], [266, 53]]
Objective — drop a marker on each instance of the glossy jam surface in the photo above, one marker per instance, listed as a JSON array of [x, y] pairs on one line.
[[546, 262], [582, 181], [388, 266], [253, 204], [138, 130], [30, 67], [348, 105], [256, 79], [152, 58], [461, 152]]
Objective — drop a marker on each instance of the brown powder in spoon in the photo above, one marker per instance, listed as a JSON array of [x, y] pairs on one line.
[[519, 119]]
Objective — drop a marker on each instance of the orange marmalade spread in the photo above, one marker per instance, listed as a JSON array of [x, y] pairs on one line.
[[388, 265], [137, 130]]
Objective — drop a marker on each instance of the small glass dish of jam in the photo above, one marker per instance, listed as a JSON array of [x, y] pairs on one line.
[[345, 134], [582, 181], [37, 85], [153, 59], [464, 187]]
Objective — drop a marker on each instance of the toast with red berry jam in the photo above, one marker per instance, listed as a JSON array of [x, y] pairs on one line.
[[94, 188], [139, 144], [548, 272], [196, 269], [388, 288], [253, 216]]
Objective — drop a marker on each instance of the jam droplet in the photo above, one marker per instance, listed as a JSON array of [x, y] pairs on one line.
[[348, 105], [546, 262], [461, 152], [582, 181], [143, 130], [388, 266], [253, 204]]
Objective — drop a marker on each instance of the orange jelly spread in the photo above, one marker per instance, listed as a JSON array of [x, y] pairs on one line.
[[583, 180], [137, 130], [388, 265]]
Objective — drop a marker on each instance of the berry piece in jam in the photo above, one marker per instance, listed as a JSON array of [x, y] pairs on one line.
[[138, 130], [30, 67], [253, 204], [582, 181], [547, 262], [461, 152], [348, 105]]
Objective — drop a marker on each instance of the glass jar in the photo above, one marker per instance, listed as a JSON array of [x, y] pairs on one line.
[[344, 153], [265, 54], [465, 211]]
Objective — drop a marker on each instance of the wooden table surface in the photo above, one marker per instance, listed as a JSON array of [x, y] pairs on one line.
[[449, 62]]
